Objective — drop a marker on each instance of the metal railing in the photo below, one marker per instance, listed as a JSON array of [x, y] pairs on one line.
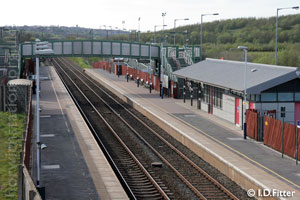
[[187, 55], [26, 187], [168, 68]]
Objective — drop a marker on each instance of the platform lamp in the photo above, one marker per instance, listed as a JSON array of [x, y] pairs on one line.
[[162, 60], [41, 49], [201, 34], [123, 24], [111, 28], [150, 81], [117, 29], [175, 28], [245, 49], [139, 31], [276, 44], [106, 31]]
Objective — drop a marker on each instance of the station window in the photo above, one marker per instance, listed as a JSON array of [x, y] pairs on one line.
[[218, 97], [268, 97], [297, 96], [257, 97], [285, 96], [206, 93]]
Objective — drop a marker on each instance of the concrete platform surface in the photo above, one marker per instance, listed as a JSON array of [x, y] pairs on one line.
[[249, 163], [72, 166]]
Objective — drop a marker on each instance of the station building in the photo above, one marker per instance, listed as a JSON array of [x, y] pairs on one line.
[[221, 86]]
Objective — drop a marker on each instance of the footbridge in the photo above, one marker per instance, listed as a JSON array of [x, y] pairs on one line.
[[101, 48], [104, 48]]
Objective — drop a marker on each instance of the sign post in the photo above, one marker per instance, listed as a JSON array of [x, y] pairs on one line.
[[282, 114]]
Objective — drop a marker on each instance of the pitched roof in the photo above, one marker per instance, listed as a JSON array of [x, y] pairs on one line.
[[230, 74]]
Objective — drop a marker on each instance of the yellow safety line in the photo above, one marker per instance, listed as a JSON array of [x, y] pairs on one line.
[[236, 151]]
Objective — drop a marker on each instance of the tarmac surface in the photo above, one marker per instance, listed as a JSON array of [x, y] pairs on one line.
[[64, 172]]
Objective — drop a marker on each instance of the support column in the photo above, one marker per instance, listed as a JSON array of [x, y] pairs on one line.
[[184, 82], [192, 93], [199, 96]]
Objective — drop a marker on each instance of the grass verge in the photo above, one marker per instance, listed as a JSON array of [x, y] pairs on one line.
[[12, 127], [81, 62]]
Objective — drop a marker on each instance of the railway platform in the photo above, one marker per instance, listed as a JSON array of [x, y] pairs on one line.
[[72, 164], [249, 163]]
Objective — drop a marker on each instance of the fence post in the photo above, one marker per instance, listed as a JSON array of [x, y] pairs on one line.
[[282, 138], [258, 127], [296, 145], [20, 182]]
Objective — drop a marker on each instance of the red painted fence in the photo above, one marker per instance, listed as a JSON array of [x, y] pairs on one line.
[[135, 73], [252, 124], [273, 135]]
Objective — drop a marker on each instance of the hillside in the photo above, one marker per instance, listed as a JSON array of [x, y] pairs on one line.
[[220, 38]]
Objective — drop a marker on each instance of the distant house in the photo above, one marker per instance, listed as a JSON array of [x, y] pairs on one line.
[[268, 87]]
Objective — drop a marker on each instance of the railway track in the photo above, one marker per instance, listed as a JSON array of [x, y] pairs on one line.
[[149, 170]]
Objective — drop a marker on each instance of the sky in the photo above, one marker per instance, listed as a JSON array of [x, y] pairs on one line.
[[95, 13]]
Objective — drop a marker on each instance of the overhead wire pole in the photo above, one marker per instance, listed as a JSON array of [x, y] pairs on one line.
[[276, 42]]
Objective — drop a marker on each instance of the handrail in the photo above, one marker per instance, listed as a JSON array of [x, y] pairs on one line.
[[187, 55]]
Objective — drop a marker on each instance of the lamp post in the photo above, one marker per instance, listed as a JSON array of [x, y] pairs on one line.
[[139, 31], [123, 24], [155, 31], [276, 45], [92, 34], [129, 35], [41, 48], [245, 49], [106, 32], [162, 59], [101, 29], [110, 31], [116, 30], [201, 34], [175, 28], [150, 83], [132, 31]]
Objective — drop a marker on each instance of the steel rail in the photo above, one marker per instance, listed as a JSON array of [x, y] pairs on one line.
[[190, 185], [159, 189]]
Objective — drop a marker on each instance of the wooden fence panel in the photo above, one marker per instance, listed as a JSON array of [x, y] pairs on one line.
[[252, 126], [273, 136], [272, 133]]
